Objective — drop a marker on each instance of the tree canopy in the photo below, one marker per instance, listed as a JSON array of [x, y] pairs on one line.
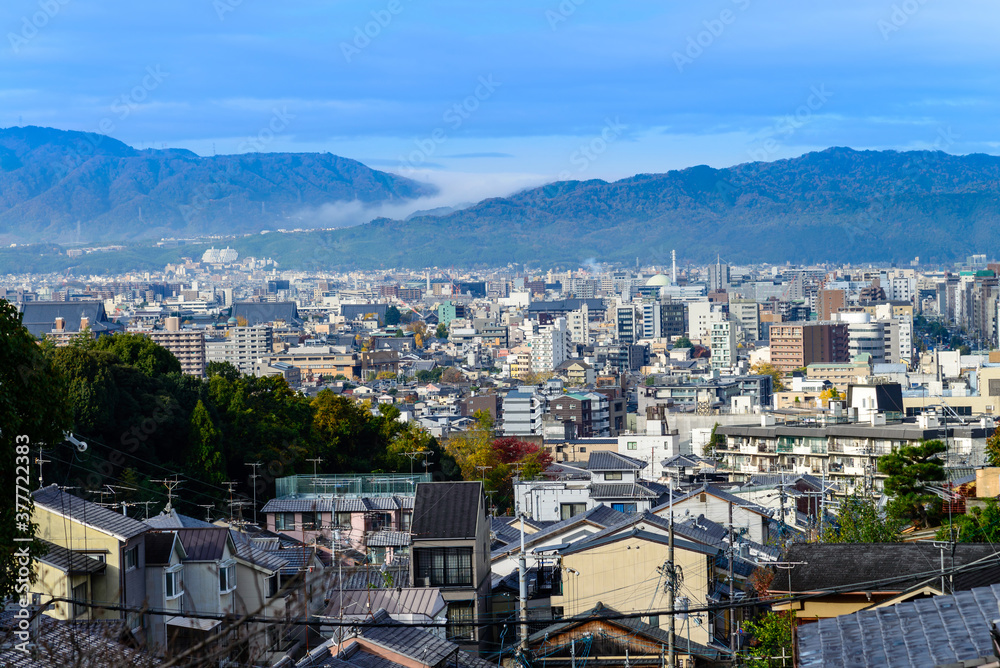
[[911, 468], [860, 521]]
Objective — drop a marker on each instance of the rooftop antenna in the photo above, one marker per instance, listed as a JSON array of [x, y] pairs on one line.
[[170, 485], [315, 461], [253, 484], [41, 460], [208, 511]]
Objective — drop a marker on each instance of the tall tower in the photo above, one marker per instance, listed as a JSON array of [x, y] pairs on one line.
[[673, 264]]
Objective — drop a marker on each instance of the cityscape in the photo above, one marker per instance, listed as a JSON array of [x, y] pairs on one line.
[[572, 335]]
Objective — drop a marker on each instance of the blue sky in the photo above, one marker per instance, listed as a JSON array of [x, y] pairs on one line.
[[487, 96]]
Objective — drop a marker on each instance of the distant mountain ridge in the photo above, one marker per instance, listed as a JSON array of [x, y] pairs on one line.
[[838, 205], [60, 185]]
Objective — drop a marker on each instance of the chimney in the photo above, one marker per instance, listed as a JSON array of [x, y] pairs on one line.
[[60, 324], [84, 322]]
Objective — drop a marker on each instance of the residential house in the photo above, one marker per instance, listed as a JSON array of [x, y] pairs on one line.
[[110, 538], [451, 551]]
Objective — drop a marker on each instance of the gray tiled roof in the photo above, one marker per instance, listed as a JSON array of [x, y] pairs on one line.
[[600, 515], [61, 643], [621, 490], [843, 564], [612, 461], [204, 544], [69, 561], [40, 317], [175, 520], [924, 633], [388, 539], [88, 513], [417, 644], [319, 505], [447, 510], [245, 549]]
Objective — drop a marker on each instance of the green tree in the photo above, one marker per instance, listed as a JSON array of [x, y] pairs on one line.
[[714, 441], [683, 342], [140, 352], [204, 440], [860, 521], [993, 448], [392, 316], [771, 640], [442, 331], [910, 470], [33, 411], [977, 525]]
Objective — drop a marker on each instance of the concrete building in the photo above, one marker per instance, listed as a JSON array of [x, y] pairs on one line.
[[798, 344], [187, 345], [522, 412], [241, 347], [722, 344], [550, 346]]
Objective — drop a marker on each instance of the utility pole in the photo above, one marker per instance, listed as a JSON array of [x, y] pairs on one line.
[[253, 484], [732, 610], [522, 577], [41, 460], [671, 662]]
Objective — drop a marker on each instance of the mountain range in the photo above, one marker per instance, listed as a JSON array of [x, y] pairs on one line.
[[63, 186], [833, 205]]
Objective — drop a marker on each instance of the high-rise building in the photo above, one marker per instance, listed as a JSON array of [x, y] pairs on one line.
[[187, 345], [241, 346], [718, 276], [550, 346], [829, 302], [722, 344], [797, 344]]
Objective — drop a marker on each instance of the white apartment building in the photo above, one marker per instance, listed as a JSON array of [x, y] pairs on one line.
[[579, 325], [241, 347], [550, 346], [722, 344], [701, 317]]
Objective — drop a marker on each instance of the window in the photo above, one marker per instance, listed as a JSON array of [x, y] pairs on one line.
[[623, 507], [461, 621], [582, 450], [271, 585], [227, 576], [379, 521], [172, 585], [557, 612], [284, 521], [653, 620], [310, 521], [613, 475], [131, 558], [444, 566], [405, 518], [80, 600], [568, 510], [632, 445], [343, 519]]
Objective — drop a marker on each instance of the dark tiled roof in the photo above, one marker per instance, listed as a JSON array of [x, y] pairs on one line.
[[69, 561], [373, 578], [923, 633], [158, 546], [621, 490], [600, 515], [84, 644], [175, 520], [633, 627], [447, 510], [864, 564], [88, 513], [718, 493], [612, 461], [416, 644], [264, 313], [388, 539], [40, 317], [248, 551], [318, 505], [204, 544]]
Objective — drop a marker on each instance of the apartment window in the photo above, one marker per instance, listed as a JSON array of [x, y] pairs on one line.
[[310, 521], [444, 566], [568, 510], [227, 576], [406, 517], [131, 558], [172, 586], [343, 519], [284, 521], [80, 600], [632, 445], [461, 621], [613, 475]]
